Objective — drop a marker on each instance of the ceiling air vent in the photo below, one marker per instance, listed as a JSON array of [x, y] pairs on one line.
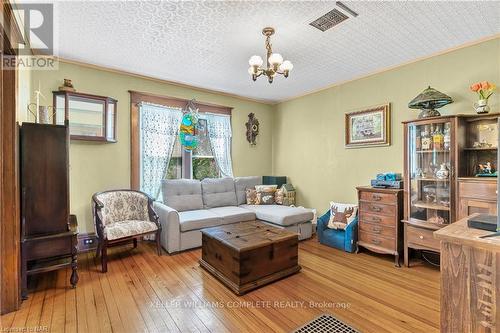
[[329, 20]]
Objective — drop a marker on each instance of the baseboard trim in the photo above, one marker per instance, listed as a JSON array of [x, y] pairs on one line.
[[87, 242]]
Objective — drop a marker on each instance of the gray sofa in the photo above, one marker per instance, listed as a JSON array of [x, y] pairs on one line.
[[190, 205]]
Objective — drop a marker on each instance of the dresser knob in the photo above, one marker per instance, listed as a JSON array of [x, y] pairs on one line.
[[377, 197], [376, 209], [421, 237]]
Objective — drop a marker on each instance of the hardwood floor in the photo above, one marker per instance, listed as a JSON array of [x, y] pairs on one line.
[[145, 293]]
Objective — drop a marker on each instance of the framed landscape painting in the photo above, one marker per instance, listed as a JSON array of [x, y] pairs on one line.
[[369, 127]]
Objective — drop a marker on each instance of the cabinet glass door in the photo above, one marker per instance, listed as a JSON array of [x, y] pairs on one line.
[[430, 172], [86, 117]]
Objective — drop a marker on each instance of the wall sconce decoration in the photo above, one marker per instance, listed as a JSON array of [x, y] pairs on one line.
[[252, 129]]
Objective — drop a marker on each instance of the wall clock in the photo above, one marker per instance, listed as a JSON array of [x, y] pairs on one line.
[[252, 129]]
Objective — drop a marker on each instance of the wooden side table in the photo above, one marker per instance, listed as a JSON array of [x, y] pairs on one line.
[[50, 252]]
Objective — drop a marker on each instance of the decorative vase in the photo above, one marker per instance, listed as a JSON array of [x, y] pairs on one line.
[[43, 115], [482, 106], [443, 172]]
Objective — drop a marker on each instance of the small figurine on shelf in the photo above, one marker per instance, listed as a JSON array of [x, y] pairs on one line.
[[486, 170], [419, 173], [443, 172], [437, 219], [67, 86]]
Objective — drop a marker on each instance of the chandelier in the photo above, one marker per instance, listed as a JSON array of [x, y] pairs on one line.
[[275, 63]]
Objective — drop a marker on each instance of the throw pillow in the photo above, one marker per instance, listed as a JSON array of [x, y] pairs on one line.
[[266, 187], [341, 215], [265, 197], [279, 197], [251, 196]]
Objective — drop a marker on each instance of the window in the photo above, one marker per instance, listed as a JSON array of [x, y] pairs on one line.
[[203, 161], [200, 163]]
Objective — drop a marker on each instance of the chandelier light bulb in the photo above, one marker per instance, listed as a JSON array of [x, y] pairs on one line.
[[255, 61], [286, 66], [251, 70], [275, 59]]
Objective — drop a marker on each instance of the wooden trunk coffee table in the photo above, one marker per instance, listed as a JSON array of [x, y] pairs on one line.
[[247, 255]]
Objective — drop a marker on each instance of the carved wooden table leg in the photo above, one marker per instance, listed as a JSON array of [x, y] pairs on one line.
[[74, 258], [74, 274]]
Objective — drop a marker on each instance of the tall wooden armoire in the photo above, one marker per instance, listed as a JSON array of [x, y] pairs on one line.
[[48, 232]]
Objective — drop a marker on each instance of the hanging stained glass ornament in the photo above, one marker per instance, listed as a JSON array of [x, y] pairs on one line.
[[187, 131]]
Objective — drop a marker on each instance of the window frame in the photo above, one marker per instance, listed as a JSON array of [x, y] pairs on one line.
[[137, 97]]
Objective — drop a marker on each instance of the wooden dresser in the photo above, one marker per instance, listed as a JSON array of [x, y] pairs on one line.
[[380, 213], [470, 279]]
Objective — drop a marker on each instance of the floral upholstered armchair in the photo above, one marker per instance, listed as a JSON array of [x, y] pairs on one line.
[[121, 216]]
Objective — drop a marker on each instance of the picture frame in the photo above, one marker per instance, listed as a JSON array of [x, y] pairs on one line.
[[368, 127]]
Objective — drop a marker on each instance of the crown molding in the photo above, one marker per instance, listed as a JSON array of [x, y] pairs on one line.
[[170, 82], [386, 69]]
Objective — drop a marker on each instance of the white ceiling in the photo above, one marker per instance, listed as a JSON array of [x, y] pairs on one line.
[[208, 44]]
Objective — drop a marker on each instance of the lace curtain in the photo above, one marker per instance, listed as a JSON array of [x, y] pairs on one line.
[[219, 132], [159, 126]]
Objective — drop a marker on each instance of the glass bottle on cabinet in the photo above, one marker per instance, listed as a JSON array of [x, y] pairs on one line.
[[90, 117], [429, 172]]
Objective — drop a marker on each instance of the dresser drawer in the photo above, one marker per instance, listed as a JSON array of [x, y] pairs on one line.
[[377, 240], [376, 208], [365, 217], [476, 190], [380, 230], [423, 237], [375, 197]]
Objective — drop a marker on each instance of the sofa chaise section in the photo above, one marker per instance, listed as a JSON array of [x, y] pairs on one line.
[[296, 219]]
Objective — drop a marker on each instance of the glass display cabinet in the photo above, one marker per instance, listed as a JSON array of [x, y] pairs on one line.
[[91, 117], [450, 173], [431, 172]]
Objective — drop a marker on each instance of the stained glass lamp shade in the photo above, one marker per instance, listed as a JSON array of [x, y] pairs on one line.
[[429, 100]]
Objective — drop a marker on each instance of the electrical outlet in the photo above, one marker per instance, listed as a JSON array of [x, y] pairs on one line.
[[88, 241]]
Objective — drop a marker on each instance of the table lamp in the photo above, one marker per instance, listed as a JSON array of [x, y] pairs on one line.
[[429, 100]]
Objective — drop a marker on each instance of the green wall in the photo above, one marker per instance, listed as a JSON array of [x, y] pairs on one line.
[[101, 166], [302, 138], [308, 133]]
